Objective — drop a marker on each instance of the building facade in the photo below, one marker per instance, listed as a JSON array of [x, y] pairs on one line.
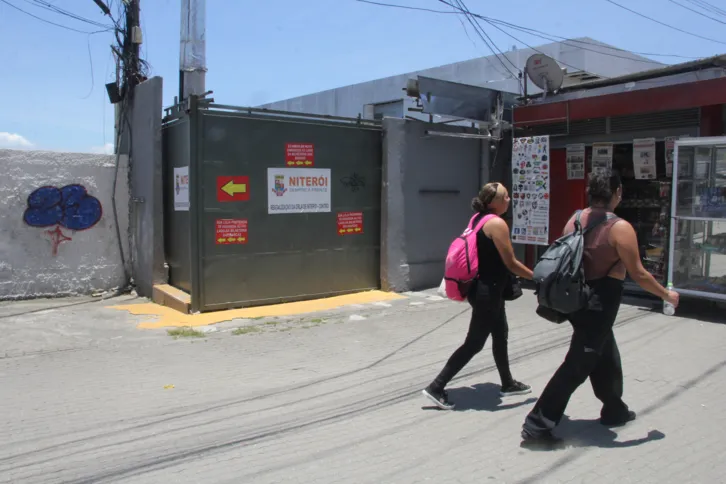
[[585, 60]]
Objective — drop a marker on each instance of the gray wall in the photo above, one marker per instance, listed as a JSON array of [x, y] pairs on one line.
[[484, 71], [81, 261], [147, 218], [428, 184]]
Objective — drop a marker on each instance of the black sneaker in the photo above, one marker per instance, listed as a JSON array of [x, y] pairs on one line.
[[617, 421], [543, 440], [441, 399], [515, 388]]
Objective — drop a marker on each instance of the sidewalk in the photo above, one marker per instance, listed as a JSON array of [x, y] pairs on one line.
[[335, 398]]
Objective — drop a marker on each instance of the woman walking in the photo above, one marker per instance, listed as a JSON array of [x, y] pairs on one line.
[[611, 249], [486, 297]]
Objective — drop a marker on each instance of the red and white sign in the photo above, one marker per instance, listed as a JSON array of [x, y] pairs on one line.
[[300, 154], [350, 223], [231, 231], [233, 188]]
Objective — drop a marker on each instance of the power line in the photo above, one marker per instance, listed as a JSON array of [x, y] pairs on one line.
[[52, 8], [707, 7], [490, 43], [665, 24], [539, 33], [520, 41], [49, 22], [697, 12]]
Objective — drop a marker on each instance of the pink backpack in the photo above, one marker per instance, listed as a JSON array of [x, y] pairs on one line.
[[462, 261]]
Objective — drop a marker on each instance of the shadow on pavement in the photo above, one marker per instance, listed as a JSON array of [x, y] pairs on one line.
[[589, 433], [482, 397]]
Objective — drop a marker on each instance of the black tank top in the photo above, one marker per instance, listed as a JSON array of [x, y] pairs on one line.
[[491, 265]]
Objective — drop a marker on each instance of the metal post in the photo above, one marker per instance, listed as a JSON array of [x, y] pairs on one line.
[[192, 65]]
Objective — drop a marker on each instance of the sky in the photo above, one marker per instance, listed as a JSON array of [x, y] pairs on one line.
[[52, 79]]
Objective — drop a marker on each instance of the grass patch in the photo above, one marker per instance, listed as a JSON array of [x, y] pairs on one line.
[[272, 323], [246, 330], [316, 320], [186, 332]]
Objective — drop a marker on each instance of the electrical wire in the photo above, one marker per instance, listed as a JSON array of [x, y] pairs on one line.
[[665, 24], [707, 7], [52, 8], [540, 34], [524, 43], [697, 12], [6, 2], [488, 40], [480, 30]]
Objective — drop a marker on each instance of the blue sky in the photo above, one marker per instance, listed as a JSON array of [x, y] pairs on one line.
[[53, 95]]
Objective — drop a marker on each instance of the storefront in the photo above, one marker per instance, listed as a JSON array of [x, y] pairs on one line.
[[632, 125], [697, 263]]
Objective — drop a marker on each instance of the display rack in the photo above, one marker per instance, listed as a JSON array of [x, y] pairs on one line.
[[697, 262]]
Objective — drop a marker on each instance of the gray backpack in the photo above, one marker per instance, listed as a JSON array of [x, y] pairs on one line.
[[560, 276]]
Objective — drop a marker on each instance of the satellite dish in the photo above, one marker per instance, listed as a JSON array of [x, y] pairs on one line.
[[544, 72]]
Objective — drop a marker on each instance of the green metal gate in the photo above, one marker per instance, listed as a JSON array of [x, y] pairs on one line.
[[281, 206]]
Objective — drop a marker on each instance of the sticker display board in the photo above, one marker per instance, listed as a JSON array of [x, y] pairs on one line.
[[298, 190], [181, 189], [531, 190], [350, 223], [602, 157], [233, 188], [300, 154], [231, 231], [644, 159], [576, 162]]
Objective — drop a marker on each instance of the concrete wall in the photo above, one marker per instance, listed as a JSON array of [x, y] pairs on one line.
[[147, 211], [57, 228], [484, 71], [428, 184]]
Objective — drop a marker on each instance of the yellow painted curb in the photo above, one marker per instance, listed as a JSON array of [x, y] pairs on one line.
[[170, 318]]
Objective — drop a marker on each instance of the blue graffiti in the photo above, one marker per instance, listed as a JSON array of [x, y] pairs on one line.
[[70, 206]]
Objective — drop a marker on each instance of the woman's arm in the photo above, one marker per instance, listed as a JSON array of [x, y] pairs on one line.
[[625, 241], [498, 230]]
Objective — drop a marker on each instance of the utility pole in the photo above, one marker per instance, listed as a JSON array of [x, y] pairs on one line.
[[192, 53], [132, 44]]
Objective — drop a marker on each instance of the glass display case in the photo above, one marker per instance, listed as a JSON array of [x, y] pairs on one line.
[[697, 265]]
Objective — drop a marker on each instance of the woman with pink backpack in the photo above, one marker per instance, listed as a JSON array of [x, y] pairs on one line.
[[485, 294]]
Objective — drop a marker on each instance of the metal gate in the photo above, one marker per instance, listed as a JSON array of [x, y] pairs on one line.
[[280, 206]]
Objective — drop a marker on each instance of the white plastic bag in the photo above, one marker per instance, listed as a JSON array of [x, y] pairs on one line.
[[442, 288]]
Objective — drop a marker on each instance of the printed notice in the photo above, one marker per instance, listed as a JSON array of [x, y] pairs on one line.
[[576, 162], [231, 231], [530, 190], [298, 190], [181, 189], [644, 159], [300, 154], [350, 223], [602, 157]]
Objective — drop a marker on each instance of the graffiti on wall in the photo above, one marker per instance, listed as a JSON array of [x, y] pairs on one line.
[[70, 207]]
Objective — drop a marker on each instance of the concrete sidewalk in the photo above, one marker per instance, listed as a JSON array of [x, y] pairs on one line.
[[335, 397]]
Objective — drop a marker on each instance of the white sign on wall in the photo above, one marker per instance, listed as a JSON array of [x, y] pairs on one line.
[[531, 190], [602, 157], [298, 190], [575, 161], [181, 189], [644, 158]]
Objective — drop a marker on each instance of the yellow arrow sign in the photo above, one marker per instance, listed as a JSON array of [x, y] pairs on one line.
[[220, 240], [357, 229], [231, 188], [240, 239], [342, 231], [299, 163], [308, 163]]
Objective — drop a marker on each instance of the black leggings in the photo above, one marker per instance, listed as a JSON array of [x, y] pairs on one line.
[[487, 317], [593, 353]]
